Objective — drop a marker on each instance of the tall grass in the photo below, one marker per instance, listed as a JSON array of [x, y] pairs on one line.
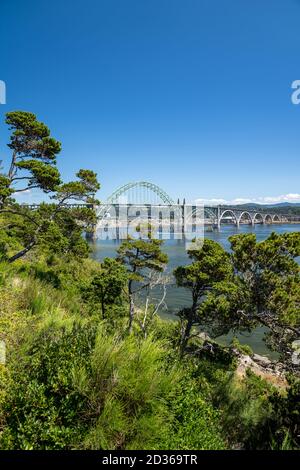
[[128, 390]]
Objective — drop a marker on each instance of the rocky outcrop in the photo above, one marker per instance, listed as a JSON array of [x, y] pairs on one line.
[[262, 366], [272, 371]]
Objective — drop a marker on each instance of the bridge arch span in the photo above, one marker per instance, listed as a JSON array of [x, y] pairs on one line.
[[276, 218], [229, 211], [210, 215], [142, 187], [258, 218], [248, 216], [268, 219]]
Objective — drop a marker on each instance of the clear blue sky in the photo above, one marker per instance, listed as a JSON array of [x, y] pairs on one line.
[[193, 95]]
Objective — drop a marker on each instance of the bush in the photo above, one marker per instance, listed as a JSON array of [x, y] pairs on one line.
[[285, 424], [247, 410], [242, 348], [73, 388], [196, 424], [72, 381], [42, 410]]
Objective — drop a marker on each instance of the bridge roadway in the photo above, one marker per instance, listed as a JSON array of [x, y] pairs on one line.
[[212, 215]]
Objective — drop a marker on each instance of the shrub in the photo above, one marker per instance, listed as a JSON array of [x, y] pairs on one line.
[[246, 410], [71, 388], [42, 409], [285, 423], [242, 348], [196, 424]]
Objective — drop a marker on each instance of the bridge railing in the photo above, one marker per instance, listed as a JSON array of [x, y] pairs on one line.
[[288, 216]]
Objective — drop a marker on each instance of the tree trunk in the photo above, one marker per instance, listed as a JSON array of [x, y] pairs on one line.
[[186, 333], [12, 165], [27, 248], [188, 327], [131, 312], [21, 253]]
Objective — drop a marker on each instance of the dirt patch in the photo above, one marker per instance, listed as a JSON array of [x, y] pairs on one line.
[[267, 371]]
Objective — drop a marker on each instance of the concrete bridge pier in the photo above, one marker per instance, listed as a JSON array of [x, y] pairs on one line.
[[91, 235], [219, 219]]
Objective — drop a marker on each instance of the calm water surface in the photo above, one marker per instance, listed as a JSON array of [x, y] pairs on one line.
[[175, 249]]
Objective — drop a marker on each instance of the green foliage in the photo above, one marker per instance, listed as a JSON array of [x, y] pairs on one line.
[[211, 264], [244, 403], [142, 256], [33, 151], [73, 380], [43, 175], [242, 348], [71, 383], [142, 259], [257, 285], [197, 422], [8, 242], [74, 383], [43, 408], [210, 269], [5, 190], [31, 137], [82, 190], [269, 276], [132, 380], [285, 424], [51, 228], [68, 389], [106, 285], [246, 410]]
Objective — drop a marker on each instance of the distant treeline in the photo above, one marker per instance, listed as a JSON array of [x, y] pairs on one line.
[[293, 209]]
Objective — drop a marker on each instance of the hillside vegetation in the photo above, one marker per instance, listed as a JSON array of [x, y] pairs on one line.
[[85, 361]]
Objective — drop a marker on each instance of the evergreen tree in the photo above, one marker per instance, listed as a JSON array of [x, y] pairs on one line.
[[106, 284], [142, 258], [211, 265], [33, 166]]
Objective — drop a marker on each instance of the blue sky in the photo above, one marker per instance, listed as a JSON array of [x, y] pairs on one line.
[[193, 95]]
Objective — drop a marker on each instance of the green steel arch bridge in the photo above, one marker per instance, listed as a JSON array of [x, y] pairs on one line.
[[141, 194]]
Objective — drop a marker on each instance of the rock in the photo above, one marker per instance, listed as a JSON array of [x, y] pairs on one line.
[[296, 352], [204, 336], [246, 361], [262, 360], [264, 369]]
